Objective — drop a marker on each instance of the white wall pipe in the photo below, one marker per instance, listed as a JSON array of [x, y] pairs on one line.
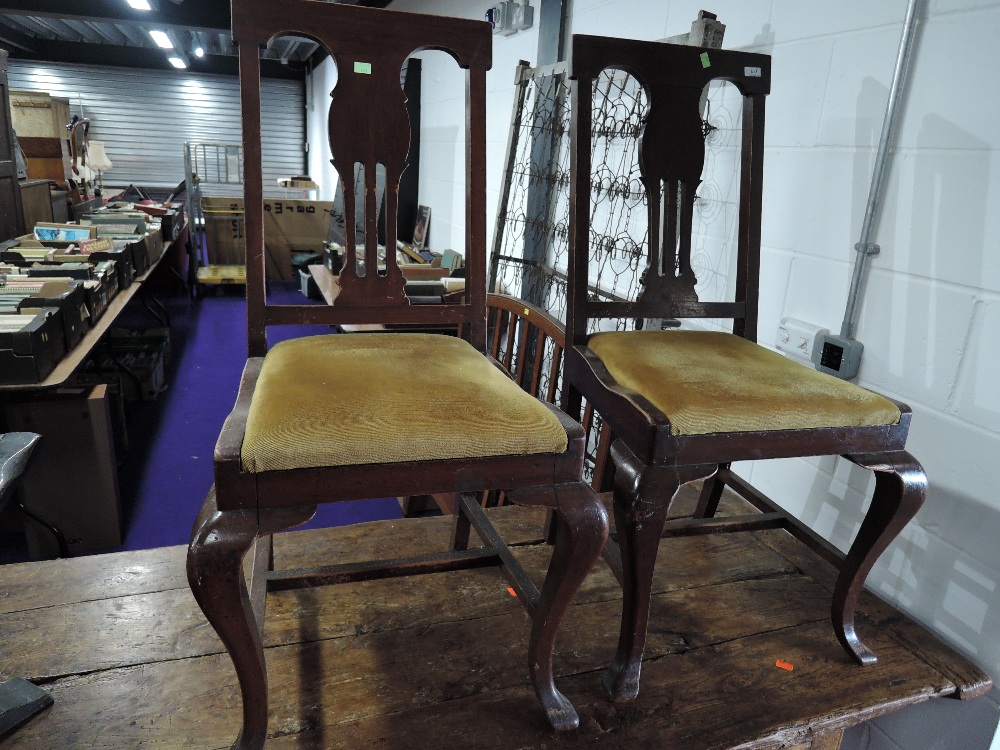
[[865, 248]]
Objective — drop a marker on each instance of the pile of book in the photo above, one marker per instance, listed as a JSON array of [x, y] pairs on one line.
[[56, 282], [47, 312]]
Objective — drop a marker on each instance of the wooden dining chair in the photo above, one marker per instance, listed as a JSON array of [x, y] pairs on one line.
[[337, 416], [685, 404]]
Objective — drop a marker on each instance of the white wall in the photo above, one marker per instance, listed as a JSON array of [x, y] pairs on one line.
[[931, 312], [318, 87], [442, 111], [931, 316]]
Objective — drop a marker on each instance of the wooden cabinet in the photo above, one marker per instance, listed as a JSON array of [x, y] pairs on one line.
[[36, 203], [73, 482], [11, 217]]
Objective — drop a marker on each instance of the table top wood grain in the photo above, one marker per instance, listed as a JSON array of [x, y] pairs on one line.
[[439, 661]]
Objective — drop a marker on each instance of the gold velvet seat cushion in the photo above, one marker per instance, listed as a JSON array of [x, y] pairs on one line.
[[710, 382], [345, 399]]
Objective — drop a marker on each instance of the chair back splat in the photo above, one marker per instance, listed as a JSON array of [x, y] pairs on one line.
[[368, 126], [671, 158]]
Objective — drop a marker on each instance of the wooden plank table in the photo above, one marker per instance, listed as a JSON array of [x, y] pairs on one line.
[[438, 661]]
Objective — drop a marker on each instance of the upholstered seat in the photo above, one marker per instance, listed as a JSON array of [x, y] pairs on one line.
[[707, 382], [340, 400]]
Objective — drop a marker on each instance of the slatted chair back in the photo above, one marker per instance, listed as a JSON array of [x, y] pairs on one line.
[[671, 158], [529, 343], [368, 126]]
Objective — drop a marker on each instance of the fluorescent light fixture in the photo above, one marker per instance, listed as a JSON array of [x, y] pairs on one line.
[[161, 39], [199, 52], [139, 4], [177, 62]]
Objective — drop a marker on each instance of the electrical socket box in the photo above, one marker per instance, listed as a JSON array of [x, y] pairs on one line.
[[838, 355], [798, 339], [522, 15], [500, 16], [707, 31]]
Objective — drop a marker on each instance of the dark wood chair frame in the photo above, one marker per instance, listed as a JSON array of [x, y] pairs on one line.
[[518, 333], [651, 463], [369, 124]]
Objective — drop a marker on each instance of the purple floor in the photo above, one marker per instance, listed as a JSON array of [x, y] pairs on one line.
[[167, 470]]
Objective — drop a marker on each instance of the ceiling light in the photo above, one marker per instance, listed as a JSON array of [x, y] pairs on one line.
[[177, 62], [139, 4], [199, 52], [161, 39]]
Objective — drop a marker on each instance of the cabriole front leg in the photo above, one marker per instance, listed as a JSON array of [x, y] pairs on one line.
[[643, 495], [638, 526], [219, 542], [900, 490], [582, 531]]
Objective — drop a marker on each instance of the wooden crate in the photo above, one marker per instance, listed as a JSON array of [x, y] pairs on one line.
[[36, 114]]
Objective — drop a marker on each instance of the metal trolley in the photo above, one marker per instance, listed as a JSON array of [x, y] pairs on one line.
[[214, 174]]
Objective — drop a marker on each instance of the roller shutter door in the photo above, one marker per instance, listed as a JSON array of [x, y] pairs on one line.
[[145, 116]]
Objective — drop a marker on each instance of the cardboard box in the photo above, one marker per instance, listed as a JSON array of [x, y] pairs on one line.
[[37, 114], [154, 245], [71, 298], [290, 226], [121, 257], [110, 264]]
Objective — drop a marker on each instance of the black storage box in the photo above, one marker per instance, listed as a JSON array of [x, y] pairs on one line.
[[81, 270], [97, 299], [122, 258], [139, 257], [71, 298], [29, 355]]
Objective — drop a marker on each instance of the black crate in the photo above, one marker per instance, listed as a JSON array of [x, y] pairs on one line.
[[71, 298], [29, 355]]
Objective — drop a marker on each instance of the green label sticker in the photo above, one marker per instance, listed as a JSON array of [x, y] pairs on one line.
[[360, 67], [705, 62]]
